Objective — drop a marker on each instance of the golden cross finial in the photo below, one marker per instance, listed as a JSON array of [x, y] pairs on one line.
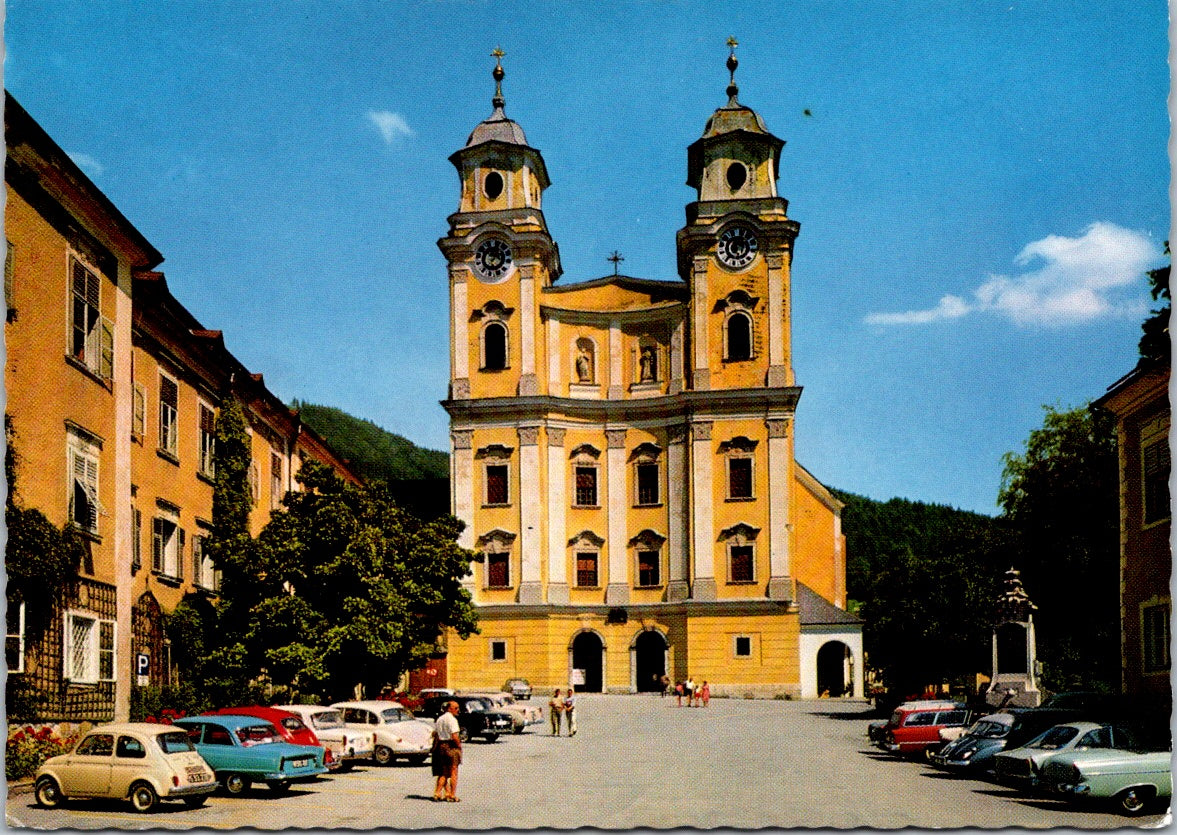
[[732, 42], [498, 54]]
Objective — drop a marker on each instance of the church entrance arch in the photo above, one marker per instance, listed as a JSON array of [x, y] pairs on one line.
[[832, 667], [587, 652], [647, 657]]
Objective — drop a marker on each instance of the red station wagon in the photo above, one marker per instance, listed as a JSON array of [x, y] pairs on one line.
[[914, 731]]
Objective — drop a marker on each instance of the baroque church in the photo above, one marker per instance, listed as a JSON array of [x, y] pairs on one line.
[[622, 448]]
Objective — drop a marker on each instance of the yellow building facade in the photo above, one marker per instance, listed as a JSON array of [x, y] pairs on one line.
[[622, 448]]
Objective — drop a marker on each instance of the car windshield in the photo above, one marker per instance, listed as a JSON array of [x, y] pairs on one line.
[[474, 706], [395, 714], [327, 719], [988, 730], [257, 735], [174, 742], [1054, 738], [293, 724]]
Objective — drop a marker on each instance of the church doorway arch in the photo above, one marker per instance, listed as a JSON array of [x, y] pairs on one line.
[[648, 660], [832, 673], [587, 653]]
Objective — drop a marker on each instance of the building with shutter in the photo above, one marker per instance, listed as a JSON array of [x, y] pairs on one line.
[[112, 391], [622, 448]]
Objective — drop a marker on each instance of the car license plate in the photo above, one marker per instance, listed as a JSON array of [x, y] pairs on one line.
[[199, 777], [302, 763]]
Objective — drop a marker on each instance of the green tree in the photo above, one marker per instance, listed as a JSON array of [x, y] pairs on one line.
[[1155, 346], [1061, 497], [353, 590]]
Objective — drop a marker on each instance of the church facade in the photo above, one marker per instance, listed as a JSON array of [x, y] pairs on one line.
[[622, 448]]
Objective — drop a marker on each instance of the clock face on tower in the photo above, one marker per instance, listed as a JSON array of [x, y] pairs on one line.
[[737, 247], [492, 259]]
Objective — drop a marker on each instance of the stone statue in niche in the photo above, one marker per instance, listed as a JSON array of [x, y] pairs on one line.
[[648, 364], [584, 363]]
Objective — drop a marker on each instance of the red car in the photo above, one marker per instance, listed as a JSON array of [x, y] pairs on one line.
[[913, 731], [289, 725]]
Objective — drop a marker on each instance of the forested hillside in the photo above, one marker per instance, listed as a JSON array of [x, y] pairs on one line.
[[374, 453]]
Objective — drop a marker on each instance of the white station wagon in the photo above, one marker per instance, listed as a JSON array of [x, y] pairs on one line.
[[346, 745], [135, 761], [397, 733]]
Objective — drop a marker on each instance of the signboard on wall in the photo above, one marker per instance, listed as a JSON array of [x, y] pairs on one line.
[[142, 669], [577, 678]]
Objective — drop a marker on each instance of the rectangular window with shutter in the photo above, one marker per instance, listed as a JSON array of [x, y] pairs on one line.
[[169, 397], [139, 412], [91, 336], [276, 491], [167, 547], [136, 539], [649, 563], [586, 570], [1155, 623], [14, 639], [208, 439], [82, 459], [1157, 463]]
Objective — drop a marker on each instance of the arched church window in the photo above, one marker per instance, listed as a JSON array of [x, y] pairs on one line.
[[737, 175], [739, 336], [494, 347], [493, 185]]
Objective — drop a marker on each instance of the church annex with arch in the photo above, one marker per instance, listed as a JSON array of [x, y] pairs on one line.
[[622, 448]]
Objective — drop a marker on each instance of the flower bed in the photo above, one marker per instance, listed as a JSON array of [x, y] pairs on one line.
[[29, 747]]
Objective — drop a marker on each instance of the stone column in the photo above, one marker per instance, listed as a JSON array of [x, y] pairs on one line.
[[616, 365], [777, 370], [459, 335], [528, 385], [530, 507], [554, 387], [557, 508], [701, 297], [780, 583], [678, 490], [676, 358], [462, 489], [617, 592], [703, 582]]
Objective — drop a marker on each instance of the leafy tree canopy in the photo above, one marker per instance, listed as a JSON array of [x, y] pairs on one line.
[[1155, 346]]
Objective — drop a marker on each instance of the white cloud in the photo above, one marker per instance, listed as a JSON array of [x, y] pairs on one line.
[[392, 126], [1073, 281], [89, 165]]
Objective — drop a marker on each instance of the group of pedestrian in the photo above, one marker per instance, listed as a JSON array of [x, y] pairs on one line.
[[696, 695], [563, 706]]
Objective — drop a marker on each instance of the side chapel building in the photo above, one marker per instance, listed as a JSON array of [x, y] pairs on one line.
[[622, 448]]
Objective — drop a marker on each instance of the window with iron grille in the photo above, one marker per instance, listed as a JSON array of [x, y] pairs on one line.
[[586, 569], [208, 439], [739, 471], [497, 484], [169, 397], [586, 486], [14, 638], [498, 570], [1156, 480], [91, 336], [83, 499], [89, 644], [1156, 637], [647, 476], [742, 565], [649, 568]]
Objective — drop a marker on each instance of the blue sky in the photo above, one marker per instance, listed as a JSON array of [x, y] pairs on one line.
[[980, 188]]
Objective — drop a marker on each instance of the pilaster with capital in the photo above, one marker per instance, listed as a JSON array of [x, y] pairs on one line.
[[677, 504], [700, 294], [530, 510], [459, 338], [557, 504], [617, 592], [777, 372], [780, 582], [462, 489], [703, 584], [528, 384]]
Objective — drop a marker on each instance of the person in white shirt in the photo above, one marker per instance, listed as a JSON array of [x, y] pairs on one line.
[[447, 754], [570, 711]]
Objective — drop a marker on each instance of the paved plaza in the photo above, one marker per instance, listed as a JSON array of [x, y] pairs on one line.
[[637, 761]]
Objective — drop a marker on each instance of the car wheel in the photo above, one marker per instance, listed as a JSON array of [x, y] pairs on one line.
[[1132, 801], [49, 794], [143, 797], [384, 755], [195, 802], [235, 784], [491, 737], [278, 786], [463, 734]]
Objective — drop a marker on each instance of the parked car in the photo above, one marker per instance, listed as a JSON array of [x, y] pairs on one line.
[[430, 692], [521, 715], [876, 730], [346, 746], [396, 732], [1132, 780], [406, 700], [1022, 766], [136, 761], [288, 724], [475, 716], [243, 750], [916, 732], [520, 688]]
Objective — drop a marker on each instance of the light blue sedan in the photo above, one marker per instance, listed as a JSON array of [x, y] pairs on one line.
[[244, 749], [1133, 780]]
